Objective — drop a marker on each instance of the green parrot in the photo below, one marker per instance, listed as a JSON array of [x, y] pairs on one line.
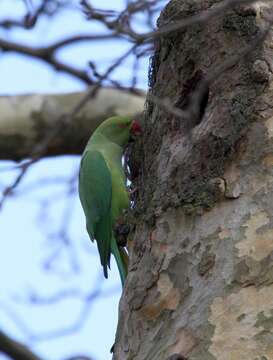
[[102, 187]]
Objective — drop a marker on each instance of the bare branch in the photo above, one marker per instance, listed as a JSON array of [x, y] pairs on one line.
[[27, 119], [9, 189], [15, 349], [30, 19], [56, 122], [119, 26], [94, 90], [74, 293], [46, 54], [79, 357], [80, 38], [87, 302]]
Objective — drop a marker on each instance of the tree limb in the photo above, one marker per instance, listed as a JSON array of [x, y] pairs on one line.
[[15, 349], [27, 119]]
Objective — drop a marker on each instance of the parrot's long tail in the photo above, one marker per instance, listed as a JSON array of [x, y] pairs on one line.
[[121, 258]]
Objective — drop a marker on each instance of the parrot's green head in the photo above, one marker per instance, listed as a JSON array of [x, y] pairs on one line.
[[119, 128]]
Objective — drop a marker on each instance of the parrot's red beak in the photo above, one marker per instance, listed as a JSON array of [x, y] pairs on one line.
[[136, 128]]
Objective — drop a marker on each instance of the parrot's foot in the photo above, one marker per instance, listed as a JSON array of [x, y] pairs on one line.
[[121, 233], [132, 191]]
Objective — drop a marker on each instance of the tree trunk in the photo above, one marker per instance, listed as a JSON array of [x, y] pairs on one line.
[[201, 265]]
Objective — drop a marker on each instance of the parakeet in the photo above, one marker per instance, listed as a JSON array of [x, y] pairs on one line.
[[102, 187]]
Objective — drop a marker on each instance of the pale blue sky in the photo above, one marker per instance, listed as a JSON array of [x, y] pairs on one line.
[[27, 240]]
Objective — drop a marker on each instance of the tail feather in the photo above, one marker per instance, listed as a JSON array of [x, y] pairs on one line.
[[121, 258]]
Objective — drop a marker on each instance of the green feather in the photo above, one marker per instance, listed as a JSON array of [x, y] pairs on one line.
[[102, 188], [95, 191], [122, 267]]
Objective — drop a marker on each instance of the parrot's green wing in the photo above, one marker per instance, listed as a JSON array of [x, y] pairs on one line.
[[95, 188]]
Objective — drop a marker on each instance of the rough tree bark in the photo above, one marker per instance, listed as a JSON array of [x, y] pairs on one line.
[[26, 119], [200, 283]]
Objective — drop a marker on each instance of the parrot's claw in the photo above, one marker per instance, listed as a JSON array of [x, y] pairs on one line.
[[132, 193]]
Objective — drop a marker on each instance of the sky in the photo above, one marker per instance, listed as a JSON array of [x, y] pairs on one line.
[[33, 261]]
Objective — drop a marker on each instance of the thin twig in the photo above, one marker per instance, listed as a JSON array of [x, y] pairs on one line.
[[47, 55]]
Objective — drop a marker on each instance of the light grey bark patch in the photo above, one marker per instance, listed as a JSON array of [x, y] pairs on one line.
[[178, 274]]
